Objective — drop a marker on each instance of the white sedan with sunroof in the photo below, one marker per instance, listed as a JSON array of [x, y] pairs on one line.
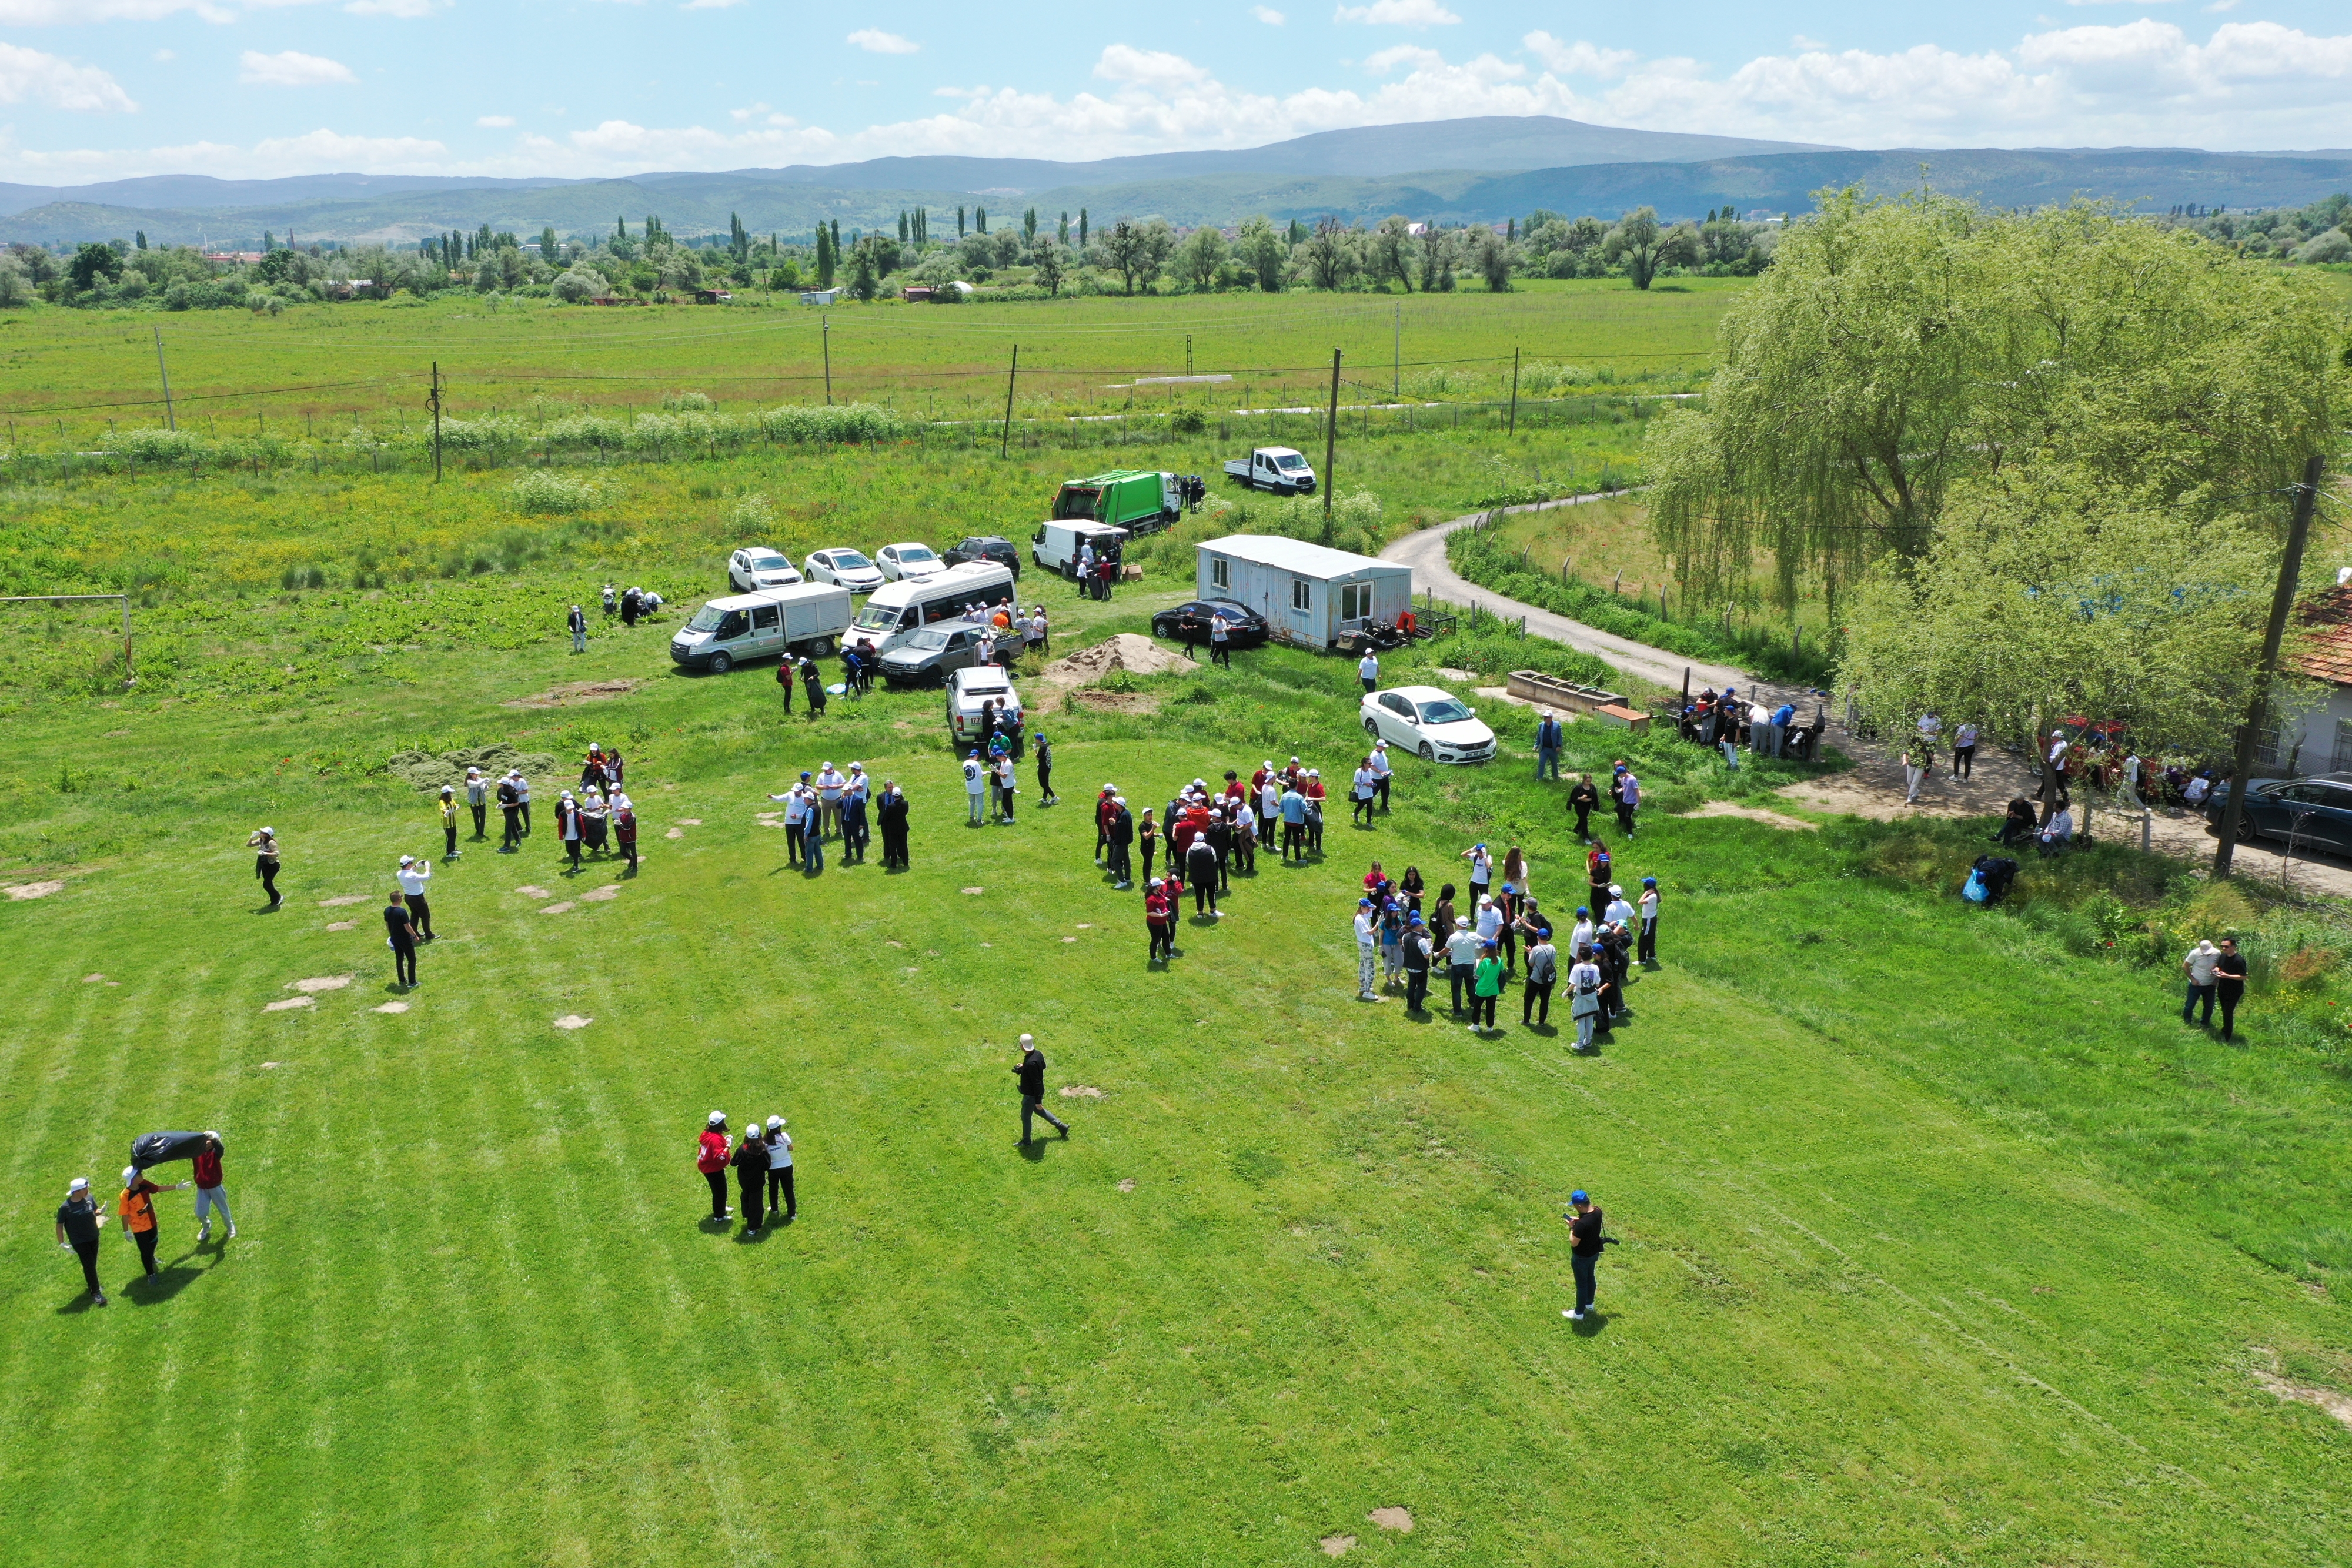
[[1428, 721], [901, 561]]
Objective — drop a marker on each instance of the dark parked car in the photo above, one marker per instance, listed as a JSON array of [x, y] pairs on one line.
[[985, 547], [2318, 811], [929, 656], [1190, 623]]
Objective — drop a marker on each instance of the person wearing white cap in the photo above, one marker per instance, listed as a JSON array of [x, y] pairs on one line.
[[1313, 790], [522, 798], [855, 832], [78, 1226], [1031, 1073], [779, 1171], [1619, 912], [477, 796], [578, 621], [1382, 770], [137, 1206], [1366, 785], [449, 822], [829, 787], [750, 1163], [567, 827], [511, 807], [624, 829], [264, 845], [1367, 939], [413, 875], [711, 1152]]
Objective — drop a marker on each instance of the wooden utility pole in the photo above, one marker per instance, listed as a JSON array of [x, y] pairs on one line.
[[434, 402], [1514, 430], [1331, 443], [1004, 446], [168, 418], [1396, 356], [825, 322], [2298, 533]]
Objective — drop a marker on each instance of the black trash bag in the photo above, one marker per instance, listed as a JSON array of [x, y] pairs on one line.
[[158, 1148]]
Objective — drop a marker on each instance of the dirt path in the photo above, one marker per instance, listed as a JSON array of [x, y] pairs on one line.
[[1874, 787]]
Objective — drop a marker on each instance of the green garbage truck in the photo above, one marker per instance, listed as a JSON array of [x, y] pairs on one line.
[[1136, 499]]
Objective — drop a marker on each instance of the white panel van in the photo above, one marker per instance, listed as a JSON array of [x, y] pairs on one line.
[[911, 603], [807, 618]]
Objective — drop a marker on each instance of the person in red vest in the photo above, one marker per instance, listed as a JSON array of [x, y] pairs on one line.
[[1159, 921], [211, 1192], [711, 1153]]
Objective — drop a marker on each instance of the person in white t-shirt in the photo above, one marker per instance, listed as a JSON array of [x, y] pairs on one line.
[[414, 874], [975, 787], [1367, 949], [1381, 770], [780, 1170], [2199, 967], [830, 786], [1585, 997], [1964, 750], [1647, 949], [1008, 784], [1367, 784], [1368, 670], [1619, 912], [1461, 961], [796, 825]]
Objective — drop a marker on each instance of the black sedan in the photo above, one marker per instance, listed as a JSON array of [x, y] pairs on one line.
[[985, 547], [2313, 813], [1245, 628]]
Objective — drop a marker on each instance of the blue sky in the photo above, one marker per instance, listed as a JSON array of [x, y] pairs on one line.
[[95, 89]]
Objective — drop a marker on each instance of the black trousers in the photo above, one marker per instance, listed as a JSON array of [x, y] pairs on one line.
[[1163, 939], [779, 1192], [1221, 653], [420, 914], [146, 1240], [450, 833], [629, 848], [2228, 995], [404, 963], [1963, 758], [266, 869], [1647, 951], [1204, 893], [893, 847], [514, 827], [1151, 848], [718, 1180], [1458, 976], [1315, 831], [1045, 785], [1416, 989], [1384, 792], [1363, 809], [571, 848], [795, 839], [1482, 1010], [524, 807], [90, 1268], [1536, 999], [481, 819], [1625, 819], [747, 1188], [1585, 1284], [1584, 821]]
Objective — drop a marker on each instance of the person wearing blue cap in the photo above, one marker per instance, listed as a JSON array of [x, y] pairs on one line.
[[1584, 1219], [1416, 963], [1648, 952]]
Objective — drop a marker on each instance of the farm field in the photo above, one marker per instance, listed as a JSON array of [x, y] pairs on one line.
[[317, 369], [1940, 1241]]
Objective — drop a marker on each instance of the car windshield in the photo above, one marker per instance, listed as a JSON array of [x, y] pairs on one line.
[[1290, 460], [707, 619], [877, 618], [927, 641], [1444, 710], [770, 563], [849, 560], [915, 553]]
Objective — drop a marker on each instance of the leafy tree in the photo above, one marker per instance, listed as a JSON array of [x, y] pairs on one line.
[[1063, 236], [1122, 249], [143, 240], [1894, 349], [1392, 252], [1492, 257], [1052, 263], [1158, 243], [1438, 253], [865, 269], [1082, 228], [581, 282], [1262, 251], [15, 287], [1198, 258], [94, 264], [960, 229], [1634, 242], [1029, 225]]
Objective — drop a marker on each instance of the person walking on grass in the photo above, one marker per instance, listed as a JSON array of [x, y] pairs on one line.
[[712, 1150], [79, 1222], [578, 621], [781, 1197], [1628, 792], [264, 845], [1485, 988], [975, 787], [751, 1162], [1585, 1243], [1382, 771], [400, 935], [1043, 751], [1548, 737], [1368, 938], [1030, 1070], [412, 876], [2200, 966], [1587, 1001], [1583, 799], [1221, 640], [137, 1208], [624, 829], [2230, 986], [1362, 791], [511, 808], [569, 833], [1964, 751], [1368, 670], [477, 799], [891, 817], [1158, 922], [1543, 973], [211, 1192]]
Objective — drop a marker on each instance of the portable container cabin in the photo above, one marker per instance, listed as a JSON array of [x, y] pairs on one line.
[[1309, 594]]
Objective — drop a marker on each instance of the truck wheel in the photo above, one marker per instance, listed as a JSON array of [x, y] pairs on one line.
[[822, 648], [722, 663]]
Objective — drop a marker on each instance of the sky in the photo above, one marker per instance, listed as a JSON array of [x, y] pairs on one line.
[[100, 89]]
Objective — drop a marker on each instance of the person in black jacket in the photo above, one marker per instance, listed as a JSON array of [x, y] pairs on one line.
[[1121, 832], [890, 815], [813, 681], [751, 1162], [77, 1225], [1031, 1071], [1583, 799], [1584, 1251], [2230, 985], [1201, 870], [511, 807]]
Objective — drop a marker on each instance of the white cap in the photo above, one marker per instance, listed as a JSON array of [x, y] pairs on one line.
[[1027, 1040], [270, 831], [717, 1117], [1615, 890], [775, 1121], [473, 773], [408, 860], [1379, 745], [78, 1184], [129, 1175]]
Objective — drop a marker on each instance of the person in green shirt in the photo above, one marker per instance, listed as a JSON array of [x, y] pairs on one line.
[[1486, 985]]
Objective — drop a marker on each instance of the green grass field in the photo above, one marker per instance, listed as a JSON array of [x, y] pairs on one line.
[[1940, 1243]]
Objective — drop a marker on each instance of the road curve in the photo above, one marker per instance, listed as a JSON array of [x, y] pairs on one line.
[[1425, 553]]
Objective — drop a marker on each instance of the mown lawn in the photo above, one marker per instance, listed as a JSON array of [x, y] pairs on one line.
[[1938, 1243]]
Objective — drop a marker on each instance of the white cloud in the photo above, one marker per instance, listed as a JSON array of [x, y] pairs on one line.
[[496, 121], [875, 41], [51, 13], [407, 10], [710, 4], [1147, 68], [290, 68], [1578, 59], [1398, 13], [1268, 14], [1811, 45], [28, 76], [165, 55]]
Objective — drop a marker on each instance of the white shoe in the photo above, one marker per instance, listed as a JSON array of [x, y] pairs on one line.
[[204, 1234], [232, 1233], [1572, 1317]]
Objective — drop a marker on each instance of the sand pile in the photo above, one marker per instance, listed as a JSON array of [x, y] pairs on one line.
[[1137, 656]]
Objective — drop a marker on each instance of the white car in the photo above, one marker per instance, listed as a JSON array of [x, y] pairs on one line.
[[1429, 722], [968, 691], [757, 566], [908, 560], [845, 568]]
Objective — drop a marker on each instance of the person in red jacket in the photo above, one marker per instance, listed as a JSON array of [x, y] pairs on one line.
[[711, 1153], [210, 1192], [1159, 920], [1103, 810], [624, 832]]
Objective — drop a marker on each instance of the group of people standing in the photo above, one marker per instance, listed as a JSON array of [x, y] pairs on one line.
[[1624, 798], [79, 1218], [1730, 723], [586, 821], [763, 1163], [845, 806]]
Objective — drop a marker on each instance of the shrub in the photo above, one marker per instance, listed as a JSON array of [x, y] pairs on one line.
[[542, 492], [752, 514], [579, 283], [688, 402], [1187, 421], [844, 422], [2307, 966], [151, 446]]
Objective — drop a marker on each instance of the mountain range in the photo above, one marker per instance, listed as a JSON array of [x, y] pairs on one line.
[[1458, 170]]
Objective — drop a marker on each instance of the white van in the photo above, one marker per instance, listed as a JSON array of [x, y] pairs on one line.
[[910, 604], [807, 618], [1054, 546]]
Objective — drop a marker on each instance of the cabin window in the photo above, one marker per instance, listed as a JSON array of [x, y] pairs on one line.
[[1355, 601], [1220, 572], [1302, 594]]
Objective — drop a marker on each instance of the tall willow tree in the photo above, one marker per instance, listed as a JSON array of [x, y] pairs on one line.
[[1898, 349]]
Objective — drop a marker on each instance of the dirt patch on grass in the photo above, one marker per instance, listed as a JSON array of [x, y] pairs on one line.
[[346, 900], [288, 1005], [675, 833], [534, 890], [974, 891], [1336, 1545], [428, 770], [2336, 1404], [390, 1008], [34, 889], [1395, 1519], [574, 1020], [1117, 702], [1753, 814], [320, 983], [566, 908], [575, 693], [1080, 1092], [342, 925], [600, 895], [1127, 1185], [1137, 656]]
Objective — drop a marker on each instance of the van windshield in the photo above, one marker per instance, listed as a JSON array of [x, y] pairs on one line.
[[1290, 460], [707, 619], [873, 617]]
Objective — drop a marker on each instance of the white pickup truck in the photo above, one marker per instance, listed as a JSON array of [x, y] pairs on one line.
[[1276, 468]]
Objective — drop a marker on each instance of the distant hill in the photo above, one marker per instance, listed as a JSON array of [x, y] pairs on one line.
[[1454, 171]]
